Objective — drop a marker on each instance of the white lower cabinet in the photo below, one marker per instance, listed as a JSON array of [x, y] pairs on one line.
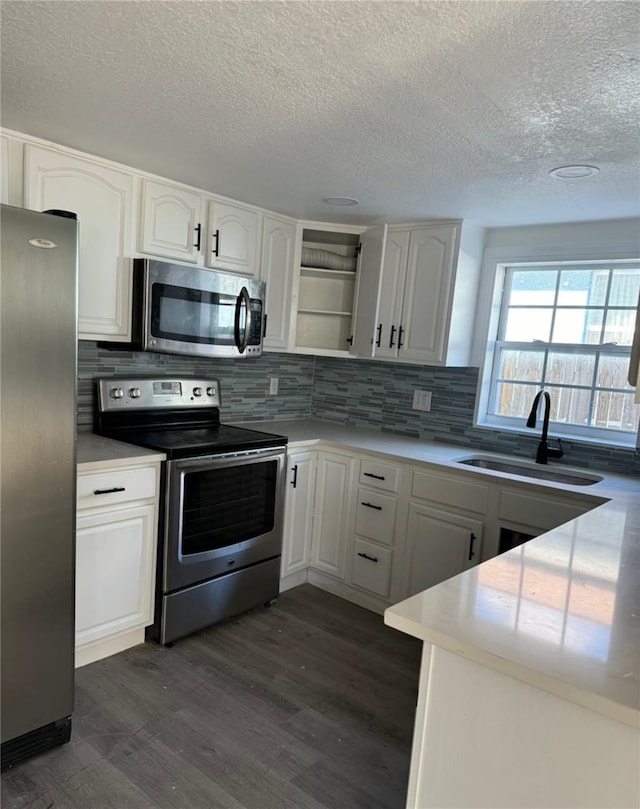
[[332, 513], [116, 537], [371, 569], [440, 544], [298, 518]]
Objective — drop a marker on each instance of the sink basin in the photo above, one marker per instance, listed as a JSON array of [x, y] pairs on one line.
[[531, 470]]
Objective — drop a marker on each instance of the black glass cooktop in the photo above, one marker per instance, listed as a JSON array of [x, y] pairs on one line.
[[189, 442]]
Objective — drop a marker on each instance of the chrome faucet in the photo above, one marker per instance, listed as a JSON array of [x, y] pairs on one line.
[[544, 452]]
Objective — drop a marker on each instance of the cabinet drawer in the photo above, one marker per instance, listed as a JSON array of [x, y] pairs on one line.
[[379, 475], [450, 491], [375, 515], [539, 512], [99, 489], [371, 567]]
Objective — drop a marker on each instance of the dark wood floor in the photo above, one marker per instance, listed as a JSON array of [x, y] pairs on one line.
[[306, 705]]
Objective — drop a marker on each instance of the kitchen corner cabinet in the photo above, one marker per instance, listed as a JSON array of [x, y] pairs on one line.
[[171, 222], [116, 532], [276, 269], [324, 292], [332, 513], [102, 198], [233, 239], [419, 301], [298, 518]]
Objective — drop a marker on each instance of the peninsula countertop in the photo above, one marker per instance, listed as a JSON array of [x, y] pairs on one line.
[[561, 612]]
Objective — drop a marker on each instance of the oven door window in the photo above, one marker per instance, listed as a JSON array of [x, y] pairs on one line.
[[226, 505], [199, 316]]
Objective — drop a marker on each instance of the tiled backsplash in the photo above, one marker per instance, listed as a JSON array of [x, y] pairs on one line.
[[362, 393]]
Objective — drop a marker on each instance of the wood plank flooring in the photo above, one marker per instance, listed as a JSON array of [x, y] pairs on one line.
[[306, 705]]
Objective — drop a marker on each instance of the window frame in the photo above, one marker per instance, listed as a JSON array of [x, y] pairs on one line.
[[494, 310]]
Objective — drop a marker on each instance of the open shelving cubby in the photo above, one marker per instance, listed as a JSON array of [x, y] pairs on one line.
[[326, 296]]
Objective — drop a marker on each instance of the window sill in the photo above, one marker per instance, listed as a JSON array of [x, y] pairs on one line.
[[629, 444]]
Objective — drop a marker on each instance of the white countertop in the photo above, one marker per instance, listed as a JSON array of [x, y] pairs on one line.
[[94, 452], [561, 612]]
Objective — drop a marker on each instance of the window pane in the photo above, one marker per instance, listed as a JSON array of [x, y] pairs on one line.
[[615, 411], [612, 372], [570, 405], [570, 369], [525, 325], [533, 287], [521, 365], [620, 326], [514, 400], [582, 326], [625, 287], [583, 287]]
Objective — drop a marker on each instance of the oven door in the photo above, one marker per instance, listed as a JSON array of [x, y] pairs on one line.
[[222, 513]]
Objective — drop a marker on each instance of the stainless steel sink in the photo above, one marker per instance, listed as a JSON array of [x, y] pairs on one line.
[[531, 470]]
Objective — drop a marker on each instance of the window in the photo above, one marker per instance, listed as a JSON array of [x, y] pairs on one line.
[[567, 328]]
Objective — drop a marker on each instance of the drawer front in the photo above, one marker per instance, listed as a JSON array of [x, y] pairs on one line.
[[371, 567], [98, 489], [538, 512], [379, 475], [375, 515], [450, 491]]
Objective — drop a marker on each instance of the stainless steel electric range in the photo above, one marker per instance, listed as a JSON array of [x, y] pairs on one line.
[[221, 499]]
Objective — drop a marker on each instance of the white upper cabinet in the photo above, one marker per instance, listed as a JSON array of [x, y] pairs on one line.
[[276, 269], [424, 303], [234, 239], [102, 199], [4, 170], [372, 247], [324, 288], [171, 222]]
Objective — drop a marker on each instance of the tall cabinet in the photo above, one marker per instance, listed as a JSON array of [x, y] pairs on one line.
[[102, 198]]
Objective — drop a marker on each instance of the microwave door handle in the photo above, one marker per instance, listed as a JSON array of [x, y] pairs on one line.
[[243, 298]]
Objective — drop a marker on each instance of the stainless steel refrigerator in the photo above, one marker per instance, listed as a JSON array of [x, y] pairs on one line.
[[38, 353]]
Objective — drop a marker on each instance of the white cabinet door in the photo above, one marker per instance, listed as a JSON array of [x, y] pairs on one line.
[[370, 264], [171, 224], [234, 237], [102, 199], [332, 512], [4, 170], [298, 512], [277, 265], [439, 545], [392, 284], [427, 293], [115, 557]]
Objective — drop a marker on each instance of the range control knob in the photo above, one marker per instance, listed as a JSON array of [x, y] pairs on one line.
[[117, 393], [211, 391], [134, 393], [197, 391]]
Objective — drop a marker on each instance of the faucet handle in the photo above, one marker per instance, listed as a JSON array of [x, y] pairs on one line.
[[555, 453]]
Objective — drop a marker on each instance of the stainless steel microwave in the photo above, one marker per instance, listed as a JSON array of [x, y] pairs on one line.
[[186, 310]]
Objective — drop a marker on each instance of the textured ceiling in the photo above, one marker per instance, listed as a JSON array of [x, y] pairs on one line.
[[418, 109]]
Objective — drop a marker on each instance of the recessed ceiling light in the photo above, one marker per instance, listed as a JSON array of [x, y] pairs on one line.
[[340, 200], [573, 172]]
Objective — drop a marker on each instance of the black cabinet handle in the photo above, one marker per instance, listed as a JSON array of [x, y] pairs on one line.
[[199, 232], [216, 237], [294, 479], [378, 338], [264, 328], [370, 505], [370, 558], [109, 491], [393, 331], [471, 553], [400, 343], [349, 340], [371, 475]]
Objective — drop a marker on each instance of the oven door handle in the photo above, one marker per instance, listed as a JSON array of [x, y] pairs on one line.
[[243, 299]]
